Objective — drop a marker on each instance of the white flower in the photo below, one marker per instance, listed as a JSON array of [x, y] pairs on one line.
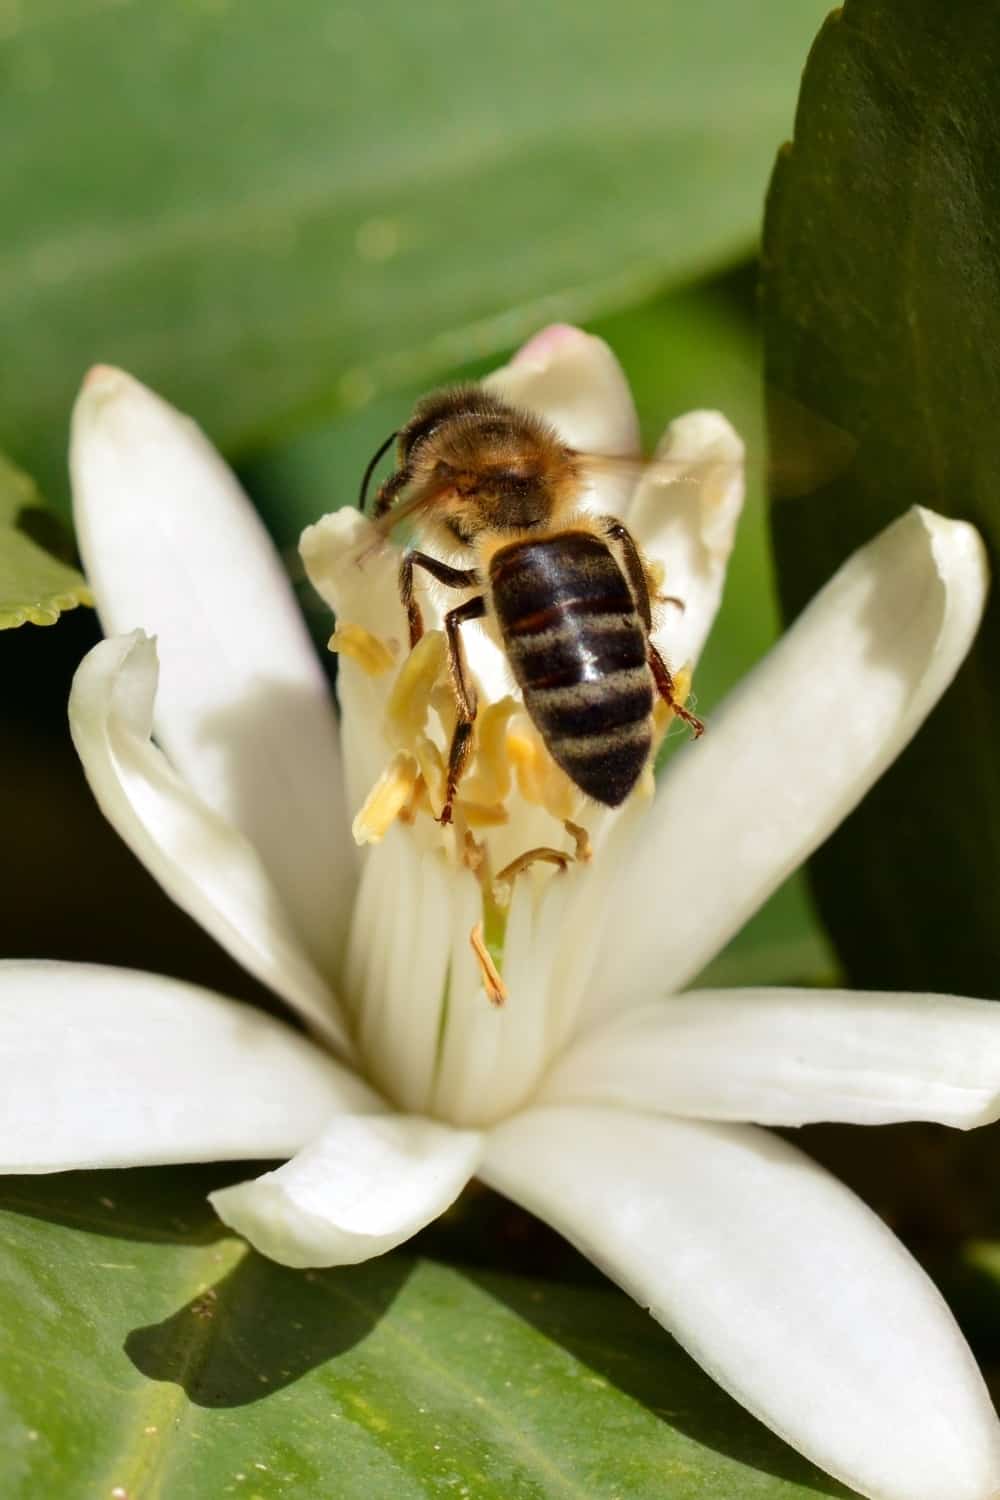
[[589, 1097]]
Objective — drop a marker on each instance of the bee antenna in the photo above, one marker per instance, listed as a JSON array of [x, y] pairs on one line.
[[363, 497]]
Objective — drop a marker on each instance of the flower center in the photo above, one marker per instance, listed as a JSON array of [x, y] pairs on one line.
[[515, 810]]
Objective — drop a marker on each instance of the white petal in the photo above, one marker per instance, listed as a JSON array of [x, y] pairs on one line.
[[206, 866], [171, 545], [684, 515], [113, 1068], [573, 380], [793, 750], [357, 575], [792, 1294], [366, 1185], [791, 1057]]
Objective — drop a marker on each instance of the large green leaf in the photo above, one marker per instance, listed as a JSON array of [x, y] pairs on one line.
[[147, 1353], [36, 584], [882, 321], [260, 207]]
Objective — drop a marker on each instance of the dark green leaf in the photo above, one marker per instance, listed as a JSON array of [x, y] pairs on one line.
[[260, 208], [146, 1352], [882, 319], [36, 584]]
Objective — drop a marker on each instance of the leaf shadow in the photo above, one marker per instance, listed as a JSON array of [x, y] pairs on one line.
[[642, 1361], [262, 1327], [160, 1205]]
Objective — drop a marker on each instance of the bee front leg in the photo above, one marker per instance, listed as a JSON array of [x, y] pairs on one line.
[[465, 698], [452, 578]]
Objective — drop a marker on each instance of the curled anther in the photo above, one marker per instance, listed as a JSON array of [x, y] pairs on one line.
[[496, 990], [584, 850], [503, 883]]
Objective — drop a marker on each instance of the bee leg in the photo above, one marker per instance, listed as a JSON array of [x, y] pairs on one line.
[[386, 493], [635, 568], [465, 698], [665, 687], [452, 578]]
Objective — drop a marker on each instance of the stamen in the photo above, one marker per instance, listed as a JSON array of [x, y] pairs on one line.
[[406, 711], [433, 771], [524, 753], [387, 799], [494, 986], [542, 855], [584, 851], [473, 853], [539, 779], [477, 815], [372, 654], [490, 781]]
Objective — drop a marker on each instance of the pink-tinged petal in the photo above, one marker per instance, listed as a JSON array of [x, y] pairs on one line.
[[115, 1068], [791, 1293], [171, 545], [573, 380], [684, 516], [792, 751], [205, 865], [793, 1057], [364, 1186]]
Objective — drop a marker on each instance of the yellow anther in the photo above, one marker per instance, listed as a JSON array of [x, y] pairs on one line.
[[387, 799], [406, 712], [656, 575], [484, 815], [490, 779], [372, 654], [524, 753], [559, 796], [682, 685], [494, 986], [442, 701], [432, 769]]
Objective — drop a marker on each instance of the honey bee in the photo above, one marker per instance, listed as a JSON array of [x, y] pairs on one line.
[[570, 592]]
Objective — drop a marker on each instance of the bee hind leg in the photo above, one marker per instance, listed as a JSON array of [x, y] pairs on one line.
[[465, 698], [668, 692]]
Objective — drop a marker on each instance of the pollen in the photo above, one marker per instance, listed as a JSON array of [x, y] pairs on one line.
[[372, 654], [387, 799]]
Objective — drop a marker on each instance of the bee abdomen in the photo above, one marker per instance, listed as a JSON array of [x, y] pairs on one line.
[[578, 650]]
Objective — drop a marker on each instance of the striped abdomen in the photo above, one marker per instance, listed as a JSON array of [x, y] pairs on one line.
[[578, 650]]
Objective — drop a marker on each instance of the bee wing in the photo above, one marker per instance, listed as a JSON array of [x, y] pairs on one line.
[[807, 452], [620, 477], [414, 498]]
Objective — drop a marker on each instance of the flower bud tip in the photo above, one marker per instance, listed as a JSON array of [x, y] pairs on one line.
[[550, 341]]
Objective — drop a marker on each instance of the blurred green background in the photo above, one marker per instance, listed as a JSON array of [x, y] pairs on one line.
[[291, 221]]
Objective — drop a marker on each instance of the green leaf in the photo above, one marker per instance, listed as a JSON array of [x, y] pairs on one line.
[[882, 327], [36, 585], [146, 1352], [257, 210], [696, 348]]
